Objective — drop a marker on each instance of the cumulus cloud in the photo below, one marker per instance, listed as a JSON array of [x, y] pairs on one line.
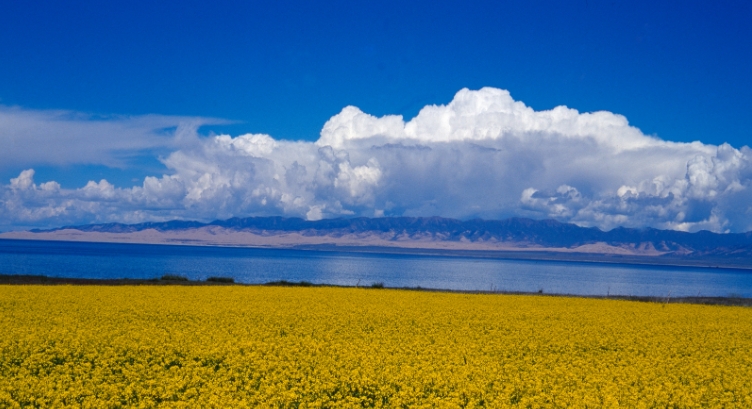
[[481, 155]]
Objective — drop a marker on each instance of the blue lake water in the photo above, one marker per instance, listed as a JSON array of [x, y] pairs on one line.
[[248, 265]]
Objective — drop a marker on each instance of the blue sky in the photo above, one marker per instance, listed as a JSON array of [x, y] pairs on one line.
[[676, 70]]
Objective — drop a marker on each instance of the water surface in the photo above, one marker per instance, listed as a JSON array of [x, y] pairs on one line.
[[249, 265]]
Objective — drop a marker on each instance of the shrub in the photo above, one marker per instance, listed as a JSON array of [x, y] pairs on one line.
[[174, 277], [221, 279], [379, 284], [285, 283]]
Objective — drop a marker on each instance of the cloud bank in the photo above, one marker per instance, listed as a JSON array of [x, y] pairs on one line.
[[481, 155], [58, 137]]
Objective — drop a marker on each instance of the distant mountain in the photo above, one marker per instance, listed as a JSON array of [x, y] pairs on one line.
[[519, 233]]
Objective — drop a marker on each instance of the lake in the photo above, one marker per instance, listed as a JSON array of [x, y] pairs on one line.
[[255, 266]]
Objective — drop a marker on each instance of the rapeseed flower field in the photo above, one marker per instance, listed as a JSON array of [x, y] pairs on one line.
[[178, 347]]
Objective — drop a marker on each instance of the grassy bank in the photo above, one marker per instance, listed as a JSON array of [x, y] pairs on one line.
[[237, 346], [169, 280]]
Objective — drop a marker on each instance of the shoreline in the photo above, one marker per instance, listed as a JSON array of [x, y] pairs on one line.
[[535, 255], [501, 254], [19, 279]]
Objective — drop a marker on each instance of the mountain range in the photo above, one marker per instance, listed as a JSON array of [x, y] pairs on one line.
[[515, 238]]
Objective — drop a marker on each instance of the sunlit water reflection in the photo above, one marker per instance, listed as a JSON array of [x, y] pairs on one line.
[[104, 260]]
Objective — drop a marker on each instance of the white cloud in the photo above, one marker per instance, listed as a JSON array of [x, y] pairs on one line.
[[57, 137], [481, 155]]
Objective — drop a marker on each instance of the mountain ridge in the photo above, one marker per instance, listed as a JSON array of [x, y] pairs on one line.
[[547, 233]]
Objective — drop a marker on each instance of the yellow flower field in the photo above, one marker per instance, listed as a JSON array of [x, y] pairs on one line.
[[234, 346]]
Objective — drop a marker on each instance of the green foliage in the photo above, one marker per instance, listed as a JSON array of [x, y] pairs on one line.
[[285, 283], [174, 277], [221, 279]]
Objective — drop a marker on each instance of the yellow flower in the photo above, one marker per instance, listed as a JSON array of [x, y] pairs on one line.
[[63, 346]]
